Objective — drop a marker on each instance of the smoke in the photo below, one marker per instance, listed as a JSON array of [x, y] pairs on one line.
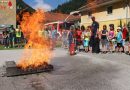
[[42, 5]]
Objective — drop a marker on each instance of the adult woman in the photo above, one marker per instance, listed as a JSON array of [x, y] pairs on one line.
[[104, 40]]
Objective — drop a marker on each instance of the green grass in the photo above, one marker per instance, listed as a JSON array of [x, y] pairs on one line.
[[3, 48], [58, 44]]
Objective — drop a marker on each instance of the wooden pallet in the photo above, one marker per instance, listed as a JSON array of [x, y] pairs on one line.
[[13, 70]]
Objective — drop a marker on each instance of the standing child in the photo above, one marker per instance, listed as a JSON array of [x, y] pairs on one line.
[[71, 40], [111, 38], [87, 35], [78, 38], [119, 38], [104, 40]]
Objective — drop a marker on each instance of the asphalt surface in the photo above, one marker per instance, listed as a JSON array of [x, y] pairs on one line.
[[80, 72]]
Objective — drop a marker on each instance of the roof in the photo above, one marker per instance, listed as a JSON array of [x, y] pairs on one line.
[[53, 17], [97, 3]]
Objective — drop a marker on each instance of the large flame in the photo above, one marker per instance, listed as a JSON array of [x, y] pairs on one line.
[[37, 51]]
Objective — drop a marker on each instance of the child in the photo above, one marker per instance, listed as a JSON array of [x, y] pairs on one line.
[[87, 35], [111, 36], [78, 38], [104, 40], [119, 37]]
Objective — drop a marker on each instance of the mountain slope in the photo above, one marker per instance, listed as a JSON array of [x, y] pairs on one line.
[[70, 6]]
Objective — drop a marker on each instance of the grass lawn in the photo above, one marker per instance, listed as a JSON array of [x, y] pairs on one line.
[[3, 48], [58, 44]]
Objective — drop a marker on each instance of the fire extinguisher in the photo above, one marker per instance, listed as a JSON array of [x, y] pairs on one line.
[[72, 48]]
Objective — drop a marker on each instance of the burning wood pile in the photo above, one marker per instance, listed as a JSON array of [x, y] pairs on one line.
[[37, 53], [13, 70]]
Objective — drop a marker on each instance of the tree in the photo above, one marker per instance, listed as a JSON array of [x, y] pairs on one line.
[[70, 6]]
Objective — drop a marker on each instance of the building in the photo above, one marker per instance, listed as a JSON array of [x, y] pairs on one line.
[[107, 12], [8, 12], [9, 9]]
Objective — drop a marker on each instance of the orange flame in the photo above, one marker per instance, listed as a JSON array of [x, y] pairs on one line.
[[32, 26]]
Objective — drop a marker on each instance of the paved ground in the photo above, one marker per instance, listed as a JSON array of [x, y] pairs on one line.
[[80, 72]]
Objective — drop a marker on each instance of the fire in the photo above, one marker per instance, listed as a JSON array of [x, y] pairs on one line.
[[37, 51]]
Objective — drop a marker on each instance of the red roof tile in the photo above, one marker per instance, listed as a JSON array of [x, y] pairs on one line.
[[52, 17]]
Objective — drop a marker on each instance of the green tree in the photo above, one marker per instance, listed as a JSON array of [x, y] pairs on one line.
[[70, 6]]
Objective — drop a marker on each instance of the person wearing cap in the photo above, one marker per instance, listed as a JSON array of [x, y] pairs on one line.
[[119, 39], [95, 29]]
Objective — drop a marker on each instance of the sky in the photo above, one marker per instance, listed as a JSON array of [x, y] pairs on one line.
[[45, 4]]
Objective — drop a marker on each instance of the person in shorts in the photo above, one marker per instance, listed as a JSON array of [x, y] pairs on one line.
[[104, 40], [87, 35], [119, 39]]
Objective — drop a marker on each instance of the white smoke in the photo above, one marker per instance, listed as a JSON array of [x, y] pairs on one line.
[[42, 5]]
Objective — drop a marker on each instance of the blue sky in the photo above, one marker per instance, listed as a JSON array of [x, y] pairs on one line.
[[45, 4]]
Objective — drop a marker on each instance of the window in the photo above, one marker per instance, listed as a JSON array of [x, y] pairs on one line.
[[109, 10]]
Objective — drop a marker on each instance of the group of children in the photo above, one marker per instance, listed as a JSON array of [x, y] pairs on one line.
[[11, 37], [111, 40]]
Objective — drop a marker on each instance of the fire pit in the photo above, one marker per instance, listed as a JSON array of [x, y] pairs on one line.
[[13, 70]]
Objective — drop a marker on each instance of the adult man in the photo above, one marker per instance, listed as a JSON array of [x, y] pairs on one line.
[[12, 35], [95, 28], [18, 36]]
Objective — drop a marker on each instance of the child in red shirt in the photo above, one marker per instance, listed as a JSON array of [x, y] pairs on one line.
[[78, 38]]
